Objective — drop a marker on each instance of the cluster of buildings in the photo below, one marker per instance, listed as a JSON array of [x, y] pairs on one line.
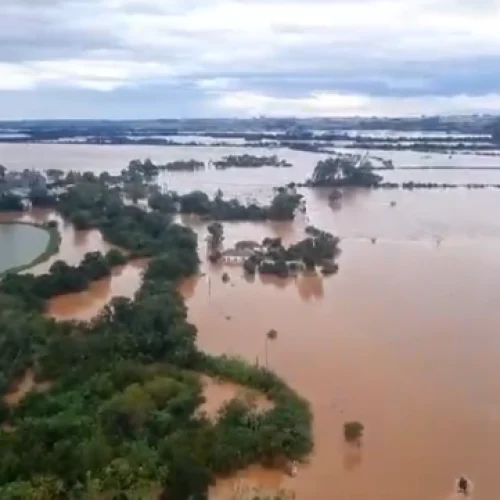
[[246, 249]]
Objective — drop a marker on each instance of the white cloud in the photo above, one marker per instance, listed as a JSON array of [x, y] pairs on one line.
[[247, 35], [216, 84], [92, 74], [98, 74], [14, 77], [228, 31], [335, 104], [226, 45]]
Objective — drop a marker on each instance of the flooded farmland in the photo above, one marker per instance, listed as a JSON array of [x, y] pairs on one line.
[[404, 338]]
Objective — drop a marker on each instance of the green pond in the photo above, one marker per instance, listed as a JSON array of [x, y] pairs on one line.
[[20, 244]]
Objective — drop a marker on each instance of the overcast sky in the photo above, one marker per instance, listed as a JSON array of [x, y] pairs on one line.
[[185, 58]]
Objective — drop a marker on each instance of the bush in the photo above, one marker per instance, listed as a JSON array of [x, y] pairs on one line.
[[353, 431], [115, 258]]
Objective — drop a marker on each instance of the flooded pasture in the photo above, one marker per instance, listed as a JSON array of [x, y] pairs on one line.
[[404, 338], [247, 182]]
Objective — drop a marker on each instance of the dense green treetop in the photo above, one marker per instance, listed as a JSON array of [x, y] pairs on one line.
[[318, 248], [343, 171], [283, 206]]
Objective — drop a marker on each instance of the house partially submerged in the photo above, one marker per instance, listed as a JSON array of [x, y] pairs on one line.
[[235, 256]]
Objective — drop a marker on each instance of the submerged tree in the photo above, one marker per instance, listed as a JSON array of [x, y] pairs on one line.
[[353, 431], [284, 204], [344, 171], [272, 334], [216, 231]]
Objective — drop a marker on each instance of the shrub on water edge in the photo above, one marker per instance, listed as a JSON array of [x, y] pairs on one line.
[[353, 431], [272, 334]]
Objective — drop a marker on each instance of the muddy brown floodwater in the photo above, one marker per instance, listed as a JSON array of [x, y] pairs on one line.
[[404, 339], [124, 281]]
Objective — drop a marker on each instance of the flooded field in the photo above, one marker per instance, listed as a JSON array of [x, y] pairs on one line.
[[247, 182], [404, 339]]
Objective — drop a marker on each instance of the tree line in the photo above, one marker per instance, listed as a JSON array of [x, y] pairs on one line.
[[250, 161]]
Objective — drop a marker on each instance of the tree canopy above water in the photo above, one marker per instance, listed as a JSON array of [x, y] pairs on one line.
[[344, 170], [283, 206]]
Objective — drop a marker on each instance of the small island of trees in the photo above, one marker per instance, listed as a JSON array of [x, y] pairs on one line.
[[183, 166], [353, 432], [283, 206], [250, 161], [150, 169], [344, 171], [318, 249]]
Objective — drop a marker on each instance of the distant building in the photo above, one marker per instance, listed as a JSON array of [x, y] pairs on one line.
[[234, 256]]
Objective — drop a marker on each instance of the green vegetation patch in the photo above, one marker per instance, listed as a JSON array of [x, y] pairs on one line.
[[353, 431]]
